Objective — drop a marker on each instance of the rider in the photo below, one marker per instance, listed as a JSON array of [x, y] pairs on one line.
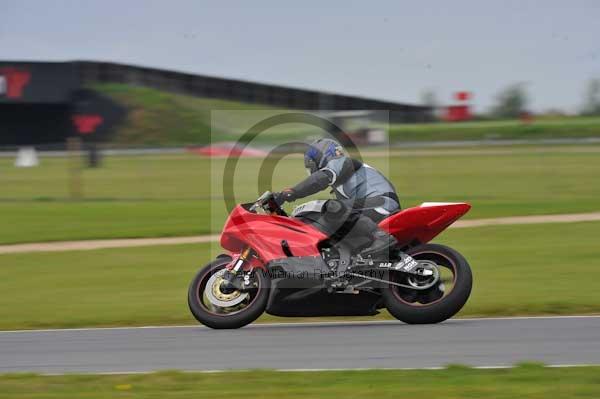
[[329, 166]]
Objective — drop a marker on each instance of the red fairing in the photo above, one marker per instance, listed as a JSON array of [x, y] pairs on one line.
[[421, 224], [264, 233]]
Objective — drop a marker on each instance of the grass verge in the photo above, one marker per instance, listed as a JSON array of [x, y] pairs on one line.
[[170, 195], [523, 381], [545, 128], [161, 118], [518, 270]]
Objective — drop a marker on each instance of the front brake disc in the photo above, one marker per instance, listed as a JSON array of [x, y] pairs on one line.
[[221, 299]]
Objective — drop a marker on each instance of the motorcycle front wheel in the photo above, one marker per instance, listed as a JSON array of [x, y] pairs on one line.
[[445, 296], [218, 307]]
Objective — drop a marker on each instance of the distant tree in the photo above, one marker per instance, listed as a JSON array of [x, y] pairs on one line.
[[591, 104], [511, 102], [553, 112]]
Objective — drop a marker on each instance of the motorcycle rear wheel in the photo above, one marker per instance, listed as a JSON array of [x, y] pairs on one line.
[[245, 311], [433, 305]]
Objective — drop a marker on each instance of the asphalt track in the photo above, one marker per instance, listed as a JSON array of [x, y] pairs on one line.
[[476, 342]]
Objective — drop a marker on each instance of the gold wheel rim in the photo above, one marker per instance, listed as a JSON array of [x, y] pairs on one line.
[[220, 295]]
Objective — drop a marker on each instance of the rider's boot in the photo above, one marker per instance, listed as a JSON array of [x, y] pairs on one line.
[[380, 247], [370, 240]]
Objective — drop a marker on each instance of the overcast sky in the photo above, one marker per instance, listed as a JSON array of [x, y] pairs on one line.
[[391, 50]]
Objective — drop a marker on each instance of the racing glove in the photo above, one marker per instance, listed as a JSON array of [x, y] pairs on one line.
[[287, 195]]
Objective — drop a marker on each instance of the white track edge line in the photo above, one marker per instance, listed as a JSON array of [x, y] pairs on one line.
[[309, 370], [301, 324]]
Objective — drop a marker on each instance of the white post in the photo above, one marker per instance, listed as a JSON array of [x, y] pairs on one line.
[[26, 158]]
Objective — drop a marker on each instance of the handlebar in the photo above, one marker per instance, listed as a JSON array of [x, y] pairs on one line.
[[267, 202], [260, 201]]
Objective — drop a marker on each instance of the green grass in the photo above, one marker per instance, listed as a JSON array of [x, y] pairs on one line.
[[169, 195], [529, 269], [564, 127], [35, 221], [161, 118], [524, 381]]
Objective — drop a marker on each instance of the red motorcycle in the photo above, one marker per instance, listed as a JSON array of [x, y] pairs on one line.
[[289, 266]]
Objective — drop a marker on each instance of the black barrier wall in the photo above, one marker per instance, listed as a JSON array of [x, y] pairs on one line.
[[46, 102], [34, 124], [36, 102], [38, 82]]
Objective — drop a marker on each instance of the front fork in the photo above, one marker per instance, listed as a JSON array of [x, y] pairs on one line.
[[230, 277], [245, 254]]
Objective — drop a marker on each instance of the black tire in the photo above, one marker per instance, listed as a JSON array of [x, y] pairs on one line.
[[227, 321], [443, 308]]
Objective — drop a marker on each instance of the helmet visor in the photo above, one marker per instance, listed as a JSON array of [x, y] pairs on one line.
[[310, 165]]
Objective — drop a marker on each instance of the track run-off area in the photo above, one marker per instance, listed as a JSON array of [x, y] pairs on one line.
[[141, 242]]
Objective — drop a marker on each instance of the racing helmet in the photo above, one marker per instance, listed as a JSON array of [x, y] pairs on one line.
[[320, 152]]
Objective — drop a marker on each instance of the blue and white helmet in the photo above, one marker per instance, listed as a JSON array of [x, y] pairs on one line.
[[320, 152]]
